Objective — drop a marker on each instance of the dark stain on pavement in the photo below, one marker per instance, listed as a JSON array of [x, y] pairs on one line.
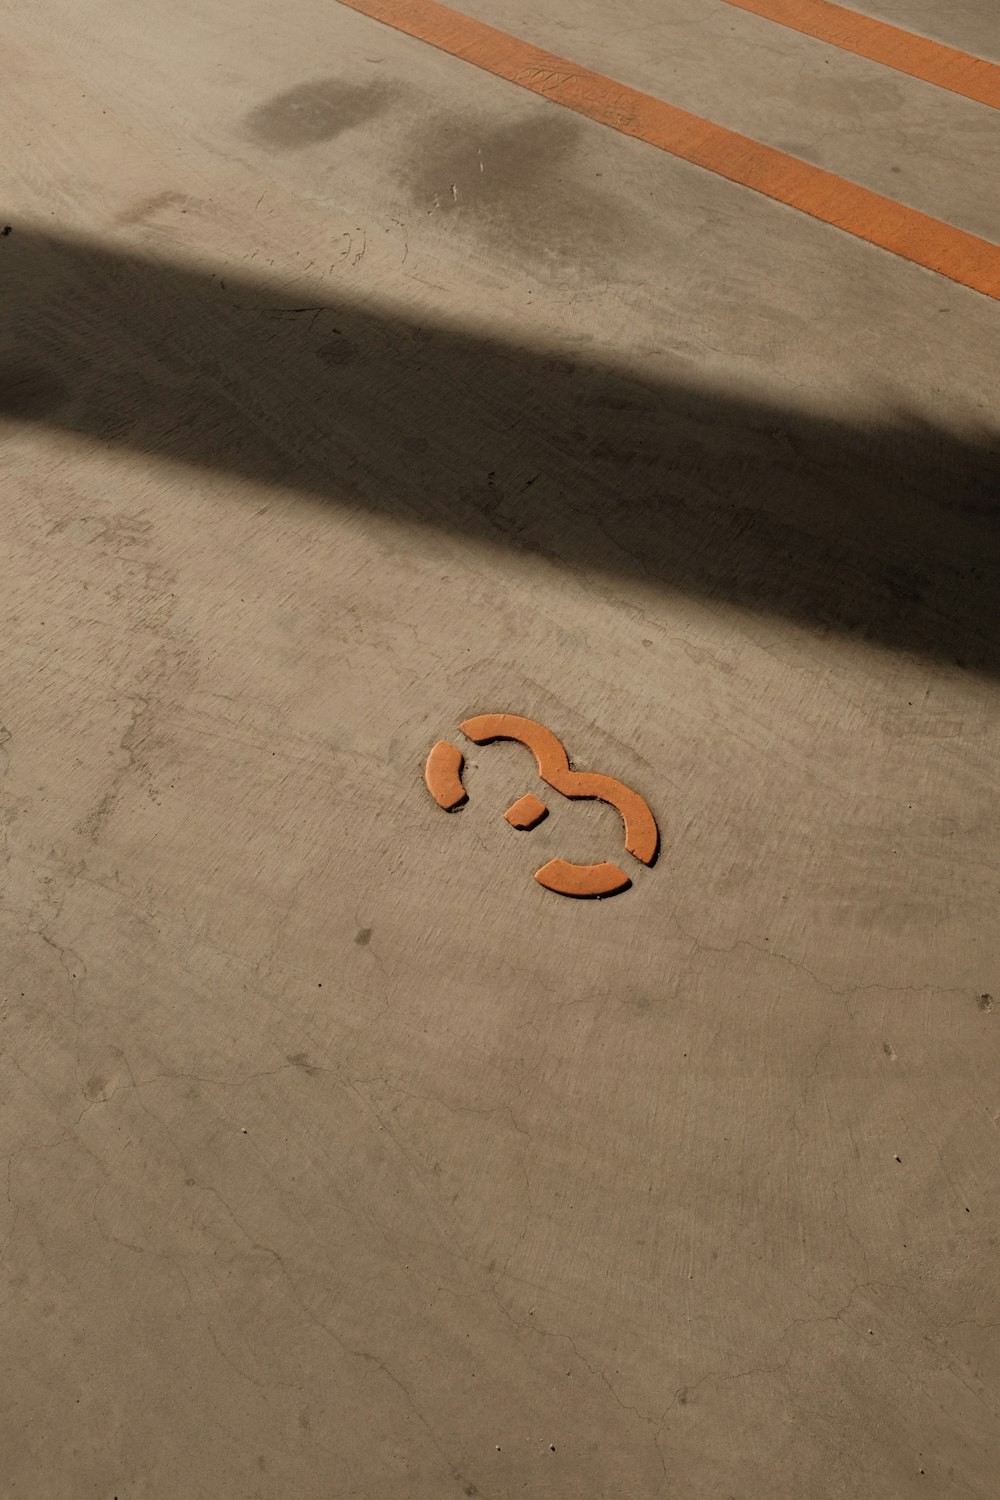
[[301, 1060], [316, 111], [526, 187]]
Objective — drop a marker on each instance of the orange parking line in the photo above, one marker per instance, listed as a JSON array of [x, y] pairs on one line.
[[928, 242], [918, 56]]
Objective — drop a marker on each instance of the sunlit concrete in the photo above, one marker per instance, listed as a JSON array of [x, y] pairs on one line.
[[346, 391]]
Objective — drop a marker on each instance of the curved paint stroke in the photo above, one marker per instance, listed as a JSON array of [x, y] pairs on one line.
[[582, 880], [443, 775]]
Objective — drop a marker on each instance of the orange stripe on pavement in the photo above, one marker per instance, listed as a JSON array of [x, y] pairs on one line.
[[962, 257], [918, 56]]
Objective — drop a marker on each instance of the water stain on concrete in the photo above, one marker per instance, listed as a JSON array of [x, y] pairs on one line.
[[148, 207], [301, 1060], [316, 111], [523, 188]]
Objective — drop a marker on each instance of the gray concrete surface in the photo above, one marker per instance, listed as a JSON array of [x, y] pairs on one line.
[[345, 391]]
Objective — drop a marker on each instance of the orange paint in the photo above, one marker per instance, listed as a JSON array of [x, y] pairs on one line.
[[918, 56], [928, 242], [641, 836], [443, 775], [582, 880], [526, 813]]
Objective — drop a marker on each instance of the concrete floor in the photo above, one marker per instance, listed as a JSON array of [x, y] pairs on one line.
[[345, 391]]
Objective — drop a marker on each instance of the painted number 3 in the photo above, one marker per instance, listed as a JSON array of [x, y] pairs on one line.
[[443, 775]]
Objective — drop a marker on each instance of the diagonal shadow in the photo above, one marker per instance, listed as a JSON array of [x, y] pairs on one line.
[[889, 533]]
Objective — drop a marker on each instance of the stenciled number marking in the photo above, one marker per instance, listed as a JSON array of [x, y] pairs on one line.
[[443, 775]]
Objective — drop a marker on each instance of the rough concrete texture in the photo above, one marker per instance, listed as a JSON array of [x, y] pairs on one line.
[[345, 392]]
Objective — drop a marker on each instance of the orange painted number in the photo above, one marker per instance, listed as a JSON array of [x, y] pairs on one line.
[[443, 775]]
